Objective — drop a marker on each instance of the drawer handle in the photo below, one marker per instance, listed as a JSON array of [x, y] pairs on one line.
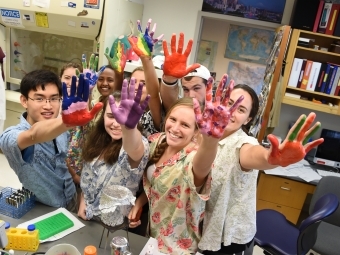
[[284, 188]]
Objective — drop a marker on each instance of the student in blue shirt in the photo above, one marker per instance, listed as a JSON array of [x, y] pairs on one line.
[[36, 148]]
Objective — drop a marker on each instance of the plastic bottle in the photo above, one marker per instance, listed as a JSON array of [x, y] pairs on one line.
[[7, 226], [90, 250], [31, 229]]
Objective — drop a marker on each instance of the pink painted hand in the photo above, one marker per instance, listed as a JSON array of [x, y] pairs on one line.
[[295, 146], [130, 110], [175, 64], [216, 114], [145, 42]]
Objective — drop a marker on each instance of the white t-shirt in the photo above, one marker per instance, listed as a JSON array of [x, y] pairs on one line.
[[230, 215]]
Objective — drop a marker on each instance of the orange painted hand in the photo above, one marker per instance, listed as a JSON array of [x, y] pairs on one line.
[[216, 114], [295, 146], [176, 64]]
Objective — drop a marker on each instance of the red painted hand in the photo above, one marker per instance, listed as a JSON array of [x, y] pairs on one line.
[[176, 64], [216, 115], [295, 146]]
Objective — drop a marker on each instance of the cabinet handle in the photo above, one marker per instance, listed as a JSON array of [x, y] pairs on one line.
[[285, 188]]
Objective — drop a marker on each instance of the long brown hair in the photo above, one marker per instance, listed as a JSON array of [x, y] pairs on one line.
[[162, 145], [100, 142]]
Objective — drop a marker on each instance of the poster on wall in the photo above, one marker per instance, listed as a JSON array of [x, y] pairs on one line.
[[249, 44], [207, 53], [245, 73], [266, 10], [94, 4]]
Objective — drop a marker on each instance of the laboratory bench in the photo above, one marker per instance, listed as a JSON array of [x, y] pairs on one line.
[[88, 235]]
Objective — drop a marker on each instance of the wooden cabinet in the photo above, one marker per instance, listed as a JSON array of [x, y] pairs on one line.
[[296, 51], [283, 195]]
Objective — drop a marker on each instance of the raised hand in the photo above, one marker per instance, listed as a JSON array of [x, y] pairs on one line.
[[175, 64], [89, 69], [118, 55], [295, 146], [74, 107], [130, 110], [145, 42], [216, 115]]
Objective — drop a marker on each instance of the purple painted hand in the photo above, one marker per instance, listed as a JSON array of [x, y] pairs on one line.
[[130, 110], [216, 116]]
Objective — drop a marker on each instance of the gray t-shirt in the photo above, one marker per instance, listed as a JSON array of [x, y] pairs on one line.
[[41, 168]]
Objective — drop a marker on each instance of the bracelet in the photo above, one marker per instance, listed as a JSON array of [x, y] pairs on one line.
[[169, 84]]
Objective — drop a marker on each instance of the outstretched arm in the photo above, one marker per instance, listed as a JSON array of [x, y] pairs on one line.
[[293, 149], [174, 68], [143, 48], [212, 123], [127, 114]]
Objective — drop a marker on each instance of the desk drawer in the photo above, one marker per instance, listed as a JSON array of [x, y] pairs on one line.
[[283, 191], [291, 214]]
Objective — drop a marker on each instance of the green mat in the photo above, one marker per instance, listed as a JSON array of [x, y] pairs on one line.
[[53, 225]]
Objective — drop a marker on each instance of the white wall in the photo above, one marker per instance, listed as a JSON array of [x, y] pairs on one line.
[[2, 42], [173, 16]]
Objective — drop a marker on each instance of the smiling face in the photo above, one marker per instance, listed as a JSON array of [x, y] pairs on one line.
[[180, 126], [140, 77], [105, 83], [112, 127], [67, 77], [241, 115], [38, 111]]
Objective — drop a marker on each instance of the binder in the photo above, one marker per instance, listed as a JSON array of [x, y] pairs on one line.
[[295, 72], [324, 17], [313, 77], [318, 16], [325, 78], [335, 83], [321, 77], [333, 17], [301, 73], [331, 78], [306, 74]]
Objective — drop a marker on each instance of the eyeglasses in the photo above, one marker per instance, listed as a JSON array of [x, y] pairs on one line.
[[41, 100]]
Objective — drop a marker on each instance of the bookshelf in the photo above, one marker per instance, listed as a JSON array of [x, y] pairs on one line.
[[295, 51]]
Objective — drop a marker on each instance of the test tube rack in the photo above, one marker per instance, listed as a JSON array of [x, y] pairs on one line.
[[16, 203], [22, 239]]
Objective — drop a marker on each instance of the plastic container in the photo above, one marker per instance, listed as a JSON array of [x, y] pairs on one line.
[[90, 250], [15, 211], [21, 239], [30, 229], [63, 248]]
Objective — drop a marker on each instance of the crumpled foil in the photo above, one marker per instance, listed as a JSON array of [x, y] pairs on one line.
[[115, 203]]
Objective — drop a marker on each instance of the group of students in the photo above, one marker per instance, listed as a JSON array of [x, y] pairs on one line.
[[194, 158]]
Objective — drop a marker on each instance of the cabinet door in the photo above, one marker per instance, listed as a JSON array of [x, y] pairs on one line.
[[291, 214], [283, 191], [12, 118]]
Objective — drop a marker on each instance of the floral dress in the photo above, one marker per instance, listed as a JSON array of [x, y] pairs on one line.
[[176, 209]]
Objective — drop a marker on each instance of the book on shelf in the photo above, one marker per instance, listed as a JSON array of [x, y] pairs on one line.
[[301, 73], [318, 16], [337, 90], [295, 72], [333, 17], [306, 74], [313, 77], [325, 78], [288, 94], [335, 83], [321, 77], [324, 17], [330, 79]]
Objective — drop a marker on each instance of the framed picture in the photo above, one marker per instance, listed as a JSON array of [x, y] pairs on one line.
[[266, 10], [249, 44]]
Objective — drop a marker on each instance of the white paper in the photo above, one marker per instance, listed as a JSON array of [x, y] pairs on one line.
[[64, 4], [77, 224], [71, 23], [11, 18], [41, 3], [328, 173]]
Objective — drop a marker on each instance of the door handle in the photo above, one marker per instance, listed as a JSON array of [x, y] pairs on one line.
[[284, 188]]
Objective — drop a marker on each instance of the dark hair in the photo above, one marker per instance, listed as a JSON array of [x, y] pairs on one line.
[[69, 65], [189, 78], [254, 106], [100, 142], [39, 78], [162, 145]]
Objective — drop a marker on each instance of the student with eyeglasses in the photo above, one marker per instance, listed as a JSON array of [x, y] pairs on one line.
[[36, 148]]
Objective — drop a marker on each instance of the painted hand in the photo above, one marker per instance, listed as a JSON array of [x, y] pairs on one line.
[[130, 110], [216, 115], [89, 70], [120, 50], [74, 107], [295, 146], [145, 42], [175, 65]]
